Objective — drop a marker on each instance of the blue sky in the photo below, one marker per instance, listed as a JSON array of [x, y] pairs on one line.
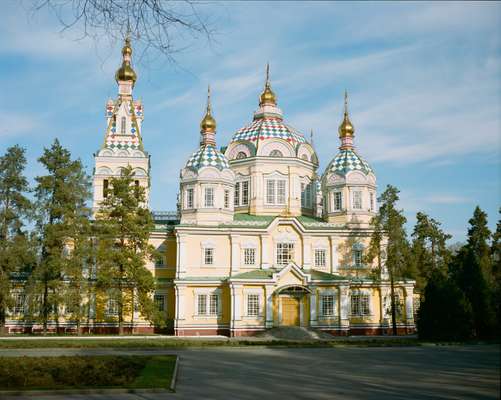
[[423, 78]]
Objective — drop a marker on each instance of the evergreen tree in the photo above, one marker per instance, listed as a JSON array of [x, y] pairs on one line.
[[445, 313], [429, 248], [124, 225], [60, 209], [496, 271], [391, 221], [471, 269], [15, 251]]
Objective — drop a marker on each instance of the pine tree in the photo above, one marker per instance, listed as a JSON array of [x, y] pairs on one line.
[[429, 248], [15, 250], [124, 225], [60, 208], [391, 222], [496, 271], [471, 269]]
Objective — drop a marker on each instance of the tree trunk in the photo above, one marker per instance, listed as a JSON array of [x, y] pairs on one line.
[[45, 306]]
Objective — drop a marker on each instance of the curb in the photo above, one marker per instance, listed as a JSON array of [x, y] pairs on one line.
[[173, 380], [36, 393]]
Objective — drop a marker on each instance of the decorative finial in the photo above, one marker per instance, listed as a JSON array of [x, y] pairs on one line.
[[346, 129], [208, 124], [267, 97], [311, 137], [125, 72]]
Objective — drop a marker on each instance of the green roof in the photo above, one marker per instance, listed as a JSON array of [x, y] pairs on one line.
[[256, 274], [324, 276]]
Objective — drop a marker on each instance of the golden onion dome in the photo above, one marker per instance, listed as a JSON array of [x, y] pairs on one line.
[[125, 72], [208, 123], [267, 97], [346, 128]]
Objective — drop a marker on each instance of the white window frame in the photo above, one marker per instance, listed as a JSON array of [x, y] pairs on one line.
[[208, 255], [242, 193], [190, 198], [357, 203], [253, 309], [123, 126], [19, 303], [250, 256], [372, 203], [338, 206], [325, 299], [363, 308], [210, 300], [226, 198], [358, 257], [320, 254], [211, 197], [276, 191], [112, 307], [281, 250]]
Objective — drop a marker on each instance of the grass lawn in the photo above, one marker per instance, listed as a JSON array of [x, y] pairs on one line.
[[86, 372], [177, 343]]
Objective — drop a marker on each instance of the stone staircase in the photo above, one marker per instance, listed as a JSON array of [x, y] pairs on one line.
[[295, 333]]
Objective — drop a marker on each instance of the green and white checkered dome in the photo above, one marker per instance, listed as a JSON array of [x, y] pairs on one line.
[[266, 128], [207, 156], [348, 160]]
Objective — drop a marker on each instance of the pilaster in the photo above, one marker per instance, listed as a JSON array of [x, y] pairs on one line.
[[268, 292], [313, 306], [265, 252], [344, 304]]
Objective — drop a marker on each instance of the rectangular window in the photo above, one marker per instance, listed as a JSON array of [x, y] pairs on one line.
[[357, 258], [303, 194], [357, 200], [270, 192], [285, 253], [189, 198], [338, 201], [245, 193], [112, 307], [160, 260], [19, 300], [249, 256], [327, 302], [281, 192], [252, 305], [214, 304], [360, 305], [320, 261], [308, 196], [226, 198], [123, 126], [209, 197], [106, 184], [159, 302], [236, 200], [372, 201], [202, 304], [208, 256]]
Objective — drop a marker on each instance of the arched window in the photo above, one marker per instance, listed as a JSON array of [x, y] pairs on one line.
[[241, 155], [276, 153], [305, 157]]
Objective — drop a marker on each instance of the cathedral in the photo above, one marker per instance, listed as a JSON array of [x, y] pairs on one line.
[[261, 238]]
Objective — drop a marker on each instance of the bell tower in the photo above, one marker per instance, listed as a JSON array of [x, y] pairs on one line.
[[123, 144]]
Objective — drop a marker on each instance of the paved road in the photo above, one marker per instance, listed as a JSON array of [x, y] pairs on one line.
[[450, 372]]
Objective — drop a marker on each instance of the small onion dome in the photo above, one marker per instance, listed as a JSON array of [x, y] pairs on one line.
[[125, 72], [346, 128], [267, 97]]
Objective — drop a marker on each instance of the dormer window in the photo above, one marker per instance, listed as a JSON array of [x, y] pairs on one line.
[[241, 155], [276, 153]]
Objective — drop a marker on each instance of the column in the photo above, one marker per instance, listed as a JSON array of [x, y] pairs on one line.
[[180, 307], [181, 256], [409, 305], [265, 253], [334, 256], [307, 252], [313, 307], [235, 253], [344, 304], [268, 293]]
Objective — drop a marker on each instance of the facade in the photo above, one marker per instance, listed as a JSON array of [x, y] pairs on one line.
[[261, 238]]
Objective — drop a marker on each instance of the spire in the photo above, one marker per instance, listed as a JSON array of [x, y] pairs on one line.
[[125, 76], [346, 129], [267, 97], [208, 124]]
